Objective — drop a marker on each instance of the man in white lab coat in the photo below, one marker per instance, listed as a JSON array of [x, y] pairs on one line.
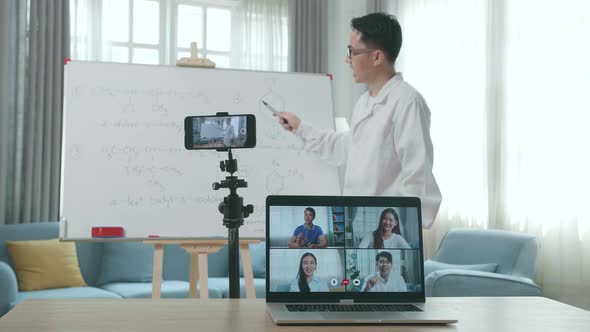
[[388, 150], [228, 133]]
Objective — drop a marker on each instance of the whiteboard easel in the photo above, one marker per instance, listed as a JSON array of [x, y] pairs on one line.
[[123, 124]]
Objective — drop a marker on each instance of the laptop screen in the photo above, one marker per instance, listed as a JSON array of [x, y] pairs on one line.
[[326, 248]]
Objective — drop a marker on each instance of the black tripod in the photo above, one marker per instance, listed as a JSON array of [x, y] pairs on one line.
[[234, 212]]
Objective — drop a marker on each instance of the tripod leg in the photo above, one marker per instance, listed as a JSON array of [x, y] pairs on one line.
[[234, 261]]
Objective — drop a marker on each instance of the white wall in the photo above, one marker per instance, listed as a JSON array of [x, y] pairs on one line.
[[345, 91]]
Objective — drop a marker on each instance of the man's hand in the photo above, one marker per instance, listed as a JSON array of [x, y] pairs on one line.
[[371, 282], [299, 240], [289, 121], [296, 241]]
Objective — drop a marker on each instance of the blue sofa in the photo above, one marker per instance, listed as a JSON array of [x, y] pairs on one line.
[[120, 269], [478, 262]]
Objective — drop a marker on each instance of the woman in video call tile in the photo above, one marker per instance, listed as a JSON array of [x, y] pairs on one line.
[[387, 234], [306, 280], [383, 280]]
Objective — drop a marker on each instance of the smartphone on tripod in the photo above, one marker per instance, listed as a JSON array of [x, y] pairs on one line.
[[220, 131]]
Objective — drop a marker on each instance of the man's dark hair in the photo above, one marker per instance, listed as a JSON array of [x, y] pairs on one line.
[[380, 31], [311, 210], [385, 255]]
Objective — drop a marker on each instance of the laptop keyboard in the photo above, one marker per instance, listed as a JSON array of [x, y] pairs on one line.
[[350, 307]]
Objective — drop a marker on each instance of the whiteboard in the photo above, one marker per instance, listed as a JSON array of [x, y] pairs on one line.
[[123, 156]]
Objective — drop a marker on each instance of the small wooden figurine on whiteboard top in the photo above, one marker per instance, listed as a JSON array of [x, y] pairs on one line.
[[194, 60]]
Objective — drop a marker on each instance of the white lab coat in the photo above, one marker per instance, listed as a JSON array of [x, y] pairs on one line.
[[395, 283], [228, 135], [387, 151]]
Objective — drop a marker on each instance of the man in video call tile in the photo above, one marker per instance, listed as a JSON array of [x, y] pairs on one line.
[[383, 280], [308, 235]]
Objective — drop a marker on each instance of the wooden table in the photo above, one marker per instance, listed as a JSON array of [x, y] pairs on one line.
[[198, 251], [475, 314]]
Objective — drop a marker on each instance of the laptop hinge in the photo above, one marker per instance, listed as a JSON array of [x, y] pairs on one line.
[[347, 301]]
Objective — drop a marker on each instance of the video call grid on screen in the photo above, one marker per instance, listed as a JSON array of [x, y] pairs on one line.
[[350, 258]]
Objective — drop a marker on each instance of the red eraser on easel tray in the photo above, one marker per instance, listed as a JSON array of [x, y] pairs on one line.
[[108, 231]]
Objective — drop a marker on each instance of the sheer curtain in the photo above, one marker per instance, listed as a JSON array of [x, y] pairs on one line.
[[445, 61], [508, 85], [85, 30], [261, 40], [545, 161]]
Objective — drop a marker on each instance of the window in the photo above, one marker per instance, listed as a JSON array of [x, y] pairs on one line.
[[133, 30], [161, 31], [210, 26]]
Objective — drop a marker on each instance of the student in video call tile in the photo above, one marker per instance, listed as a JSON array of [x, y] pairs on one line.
[[387, 234], [383, 280], [308, 235], [306, 280]]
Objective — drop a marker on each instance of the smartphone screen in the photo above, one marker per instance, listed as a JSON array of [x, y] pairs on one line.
[[223, 131]]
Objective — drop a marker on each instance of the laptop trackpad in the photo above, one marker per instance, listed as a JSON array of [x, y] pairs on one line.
[[363, 316]]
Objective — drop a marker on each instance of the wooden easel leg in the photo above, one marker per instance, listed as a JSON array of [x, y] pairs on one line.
[[203, 275], [157, 270], [247, 267], [194, 275]]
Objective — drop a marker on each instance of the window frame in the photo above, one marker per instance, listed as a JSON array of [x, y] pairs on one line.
[[131, 45], [202, 49], [167, 46]]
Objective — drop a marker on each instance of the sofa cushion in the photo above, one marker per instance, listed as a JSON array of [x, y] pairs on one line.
[[126, 262], [89, 258], [68, 293], [89, 253], [431, 266], [170, 289], [514, 252], [258, 256], [43, 264], [16, 232]]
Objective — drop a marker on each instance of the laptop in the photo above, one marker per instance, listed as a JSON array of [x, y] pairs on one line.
[[347, 260]]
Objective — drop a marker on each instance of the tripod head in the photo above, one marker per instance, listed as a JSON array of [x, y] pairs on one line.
[[232, 207]]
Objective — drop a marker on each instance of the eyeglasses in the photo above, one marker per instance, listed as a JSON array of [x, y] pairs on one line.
[[383, 262], [355, 51]]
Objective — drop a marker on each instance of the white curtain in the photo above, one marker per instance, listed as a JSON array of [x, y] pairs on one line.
[[261, 39], [85, 30], [508, 83], [446, 62]]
